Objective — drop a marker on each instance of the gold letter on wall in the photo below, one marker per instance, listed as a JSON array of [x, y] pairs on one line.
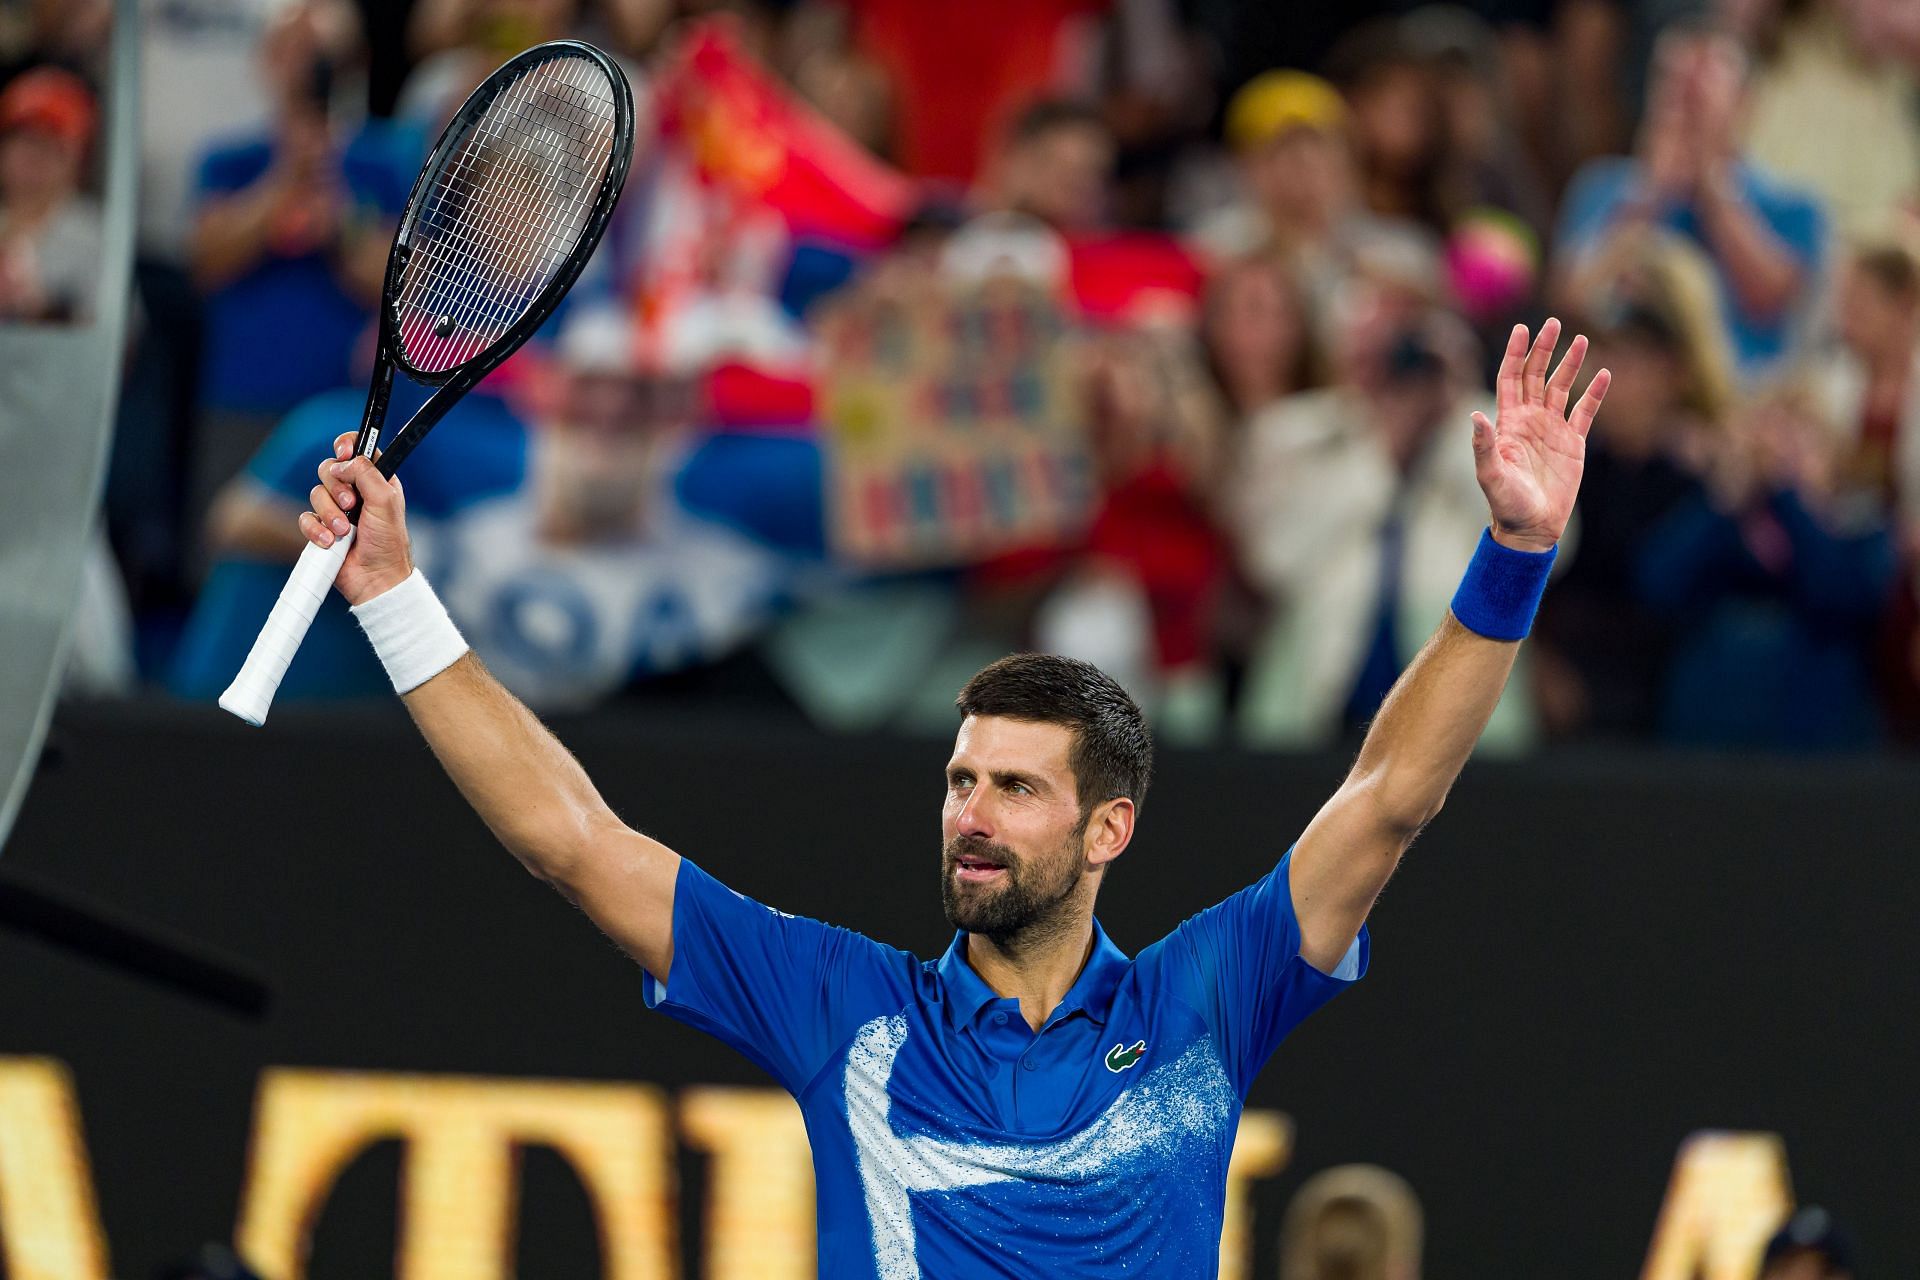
[[457, 1192], [49, 1225], [1260, 1150], [760, 1193], [1728, 1194]]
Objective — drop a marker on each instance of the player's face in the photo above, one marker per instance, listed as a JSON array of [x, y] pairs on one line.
[[1012, 855]]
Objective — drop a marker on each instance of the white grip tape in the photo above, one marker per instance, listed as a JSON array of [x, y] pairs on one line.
[[251, 693]]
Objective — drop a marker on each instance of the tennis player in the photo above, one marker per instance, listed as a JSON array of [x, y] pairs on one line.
[[1034, 1102]]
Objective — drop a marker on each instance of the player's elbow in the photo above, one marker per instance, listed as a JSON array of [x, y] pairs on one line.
[[1400, 808], [553, 843]]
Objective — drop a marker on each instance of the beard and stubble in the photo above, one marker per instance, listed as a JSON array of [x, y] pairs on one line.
[[1031, 901]]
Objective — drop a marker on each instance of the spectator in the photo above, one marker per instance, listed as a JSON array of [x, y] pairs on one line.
[[592, 570], [456, 44], [1055, 164], [1399, 127], [184, 49], [1810, 1246], [290, 240], [1353, 508], [1568, 71], [843, 84], [566, 553], [1155, 87], [50, 234], [1600, 654], [1290, 133], [1766, 240], [1776, 585], [73, 34], [252, 538], [1254, 327], [1140, 596], [1871, 382], [1834, 113], [1480, 161], [1353, 1222], [1870, 387], [440, 26]]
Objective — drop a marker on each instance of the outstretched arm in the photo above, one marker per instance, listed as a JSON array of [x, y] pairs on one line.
[[1529, 464], [528, 788]]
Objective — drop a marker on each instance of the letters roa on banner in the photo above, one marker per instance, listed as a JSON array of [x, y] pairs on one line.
[[953, 420]]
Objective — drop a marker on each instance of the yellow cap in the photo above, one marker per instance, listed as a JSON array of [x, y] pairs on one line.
[[1275, 101]]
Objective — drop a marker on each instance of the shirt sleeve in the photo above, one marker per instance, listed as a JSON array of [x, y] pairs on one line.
[[784, 990], [1592, 201], [1239, 965], [223, 170]]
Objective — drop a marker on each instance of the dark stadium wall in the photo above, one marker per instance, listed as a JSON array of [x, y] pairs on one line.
[[1584, 961]]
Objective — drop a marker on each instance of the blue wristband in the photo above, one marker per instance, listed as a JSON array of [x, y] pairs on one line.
[[1502, 589]]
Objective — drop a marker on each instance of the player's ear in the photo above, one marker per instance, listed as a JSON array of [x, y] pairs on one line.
[[1109, 830]]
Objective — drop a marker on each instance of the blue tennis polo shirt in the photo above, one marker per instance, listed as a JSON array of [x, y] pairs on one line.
[[949, 1139]]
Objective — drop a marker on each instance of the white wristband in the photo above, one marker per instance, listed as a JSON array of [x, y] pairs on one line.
[[411, 632]]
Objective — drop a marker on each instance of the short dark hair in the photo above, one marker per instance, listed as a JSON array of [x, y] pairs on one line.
[[1112, 750], [1043, 117]]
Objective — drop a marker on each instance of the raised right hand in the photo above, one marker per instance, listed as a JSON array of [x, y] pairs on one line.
[[380, 557]]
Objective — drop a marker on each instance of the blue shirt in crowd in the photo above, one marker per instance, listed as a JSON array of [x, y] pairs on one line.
[[736, 526], [951, 1140], [1602, 189], [286, 329]]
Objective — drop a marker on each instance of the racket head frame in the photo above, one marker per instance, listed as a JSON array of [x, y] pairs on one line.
[[454, 382]]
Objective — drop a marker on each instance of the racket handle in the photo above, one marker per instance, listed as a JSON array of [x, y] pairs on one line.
[[251, 692]]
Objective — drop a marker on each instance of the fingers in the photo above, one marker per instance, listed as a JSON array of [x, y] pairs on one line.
[[375, 491], [1507, 389], [1534, 376], [1560, 385], [1582, 419], [343, 446], [338, 489], [1483, 437], [329, 512], [315, 532]]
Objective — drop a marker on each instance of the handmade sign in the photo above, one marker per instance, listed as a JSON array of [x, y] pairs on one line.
[[953, 421]]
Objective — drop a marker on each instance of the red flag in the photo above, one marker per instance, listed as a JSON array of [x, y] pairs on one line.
[[743, 128]]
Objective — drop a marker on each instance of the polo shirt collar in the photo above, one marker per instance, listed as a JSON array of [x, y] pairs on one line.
[[967, 993]]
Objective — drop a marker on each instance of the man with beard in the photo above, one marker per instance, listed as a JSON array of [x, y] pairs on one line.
[[1033, 1103]]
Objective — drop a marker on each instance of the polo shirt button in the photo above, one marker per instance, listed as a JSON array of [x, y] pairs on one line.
[[1027, 1063], [999, 1019]]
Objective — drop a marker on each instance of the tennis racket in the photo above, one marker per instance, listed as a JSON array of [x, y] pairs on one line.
[[503, 216]]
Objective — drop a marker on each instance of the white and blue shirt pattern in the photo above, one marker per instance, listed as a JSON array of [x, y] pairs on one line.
[[951, 1140]]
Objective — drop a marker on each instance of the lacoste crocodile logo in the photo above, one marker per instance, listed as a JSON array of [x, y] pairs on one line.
[[1120, 1057]]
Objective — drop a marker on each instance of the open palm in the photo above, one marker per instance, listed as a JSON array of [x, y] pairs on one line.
[[1529, 459]]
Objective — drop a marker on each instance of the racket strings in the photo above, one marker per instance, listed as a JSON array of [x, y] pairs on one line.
[[501, 247], [507, 203], [503, 214], [510, 191]]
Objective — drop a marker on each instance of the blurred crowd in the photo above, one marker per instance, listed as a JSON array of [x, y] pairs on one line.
[[1144, 330]]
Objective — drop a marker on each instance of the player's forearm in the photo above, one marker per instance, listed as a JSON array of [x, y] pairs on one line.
[[523, 783], [1429, 724]]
